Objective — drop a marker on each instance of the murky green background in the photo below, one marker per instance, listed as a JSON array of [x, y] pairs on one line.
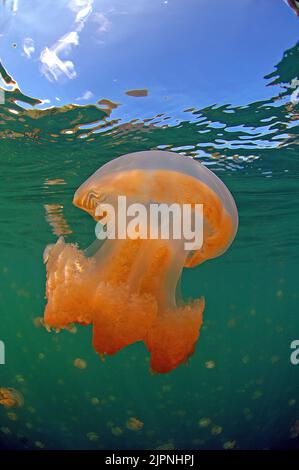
[[239, 389]]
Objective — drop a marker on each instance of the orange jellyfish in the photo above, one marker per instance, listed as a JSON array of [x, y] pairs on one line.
[[126, 286]]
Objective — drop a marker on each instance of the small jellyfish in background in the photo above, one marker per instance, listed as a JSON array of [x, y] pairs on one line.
[[134, 424], [10, 398], [126, 286], [80, 363]]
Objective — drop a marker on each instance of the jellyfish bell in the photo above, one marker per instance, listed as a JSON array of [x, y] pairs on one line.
[[166, 177], [127, 288]]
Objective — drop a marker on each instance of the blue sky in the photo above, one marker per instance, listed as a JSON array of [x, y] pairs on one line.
[[186, 52]]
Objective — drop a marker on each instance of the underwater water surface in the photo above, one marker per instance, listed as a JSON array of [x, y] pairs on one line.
[[239, 389]]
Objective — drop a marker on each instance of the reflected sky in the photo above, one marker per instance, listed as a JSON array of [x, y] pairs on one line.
[[186, 53]]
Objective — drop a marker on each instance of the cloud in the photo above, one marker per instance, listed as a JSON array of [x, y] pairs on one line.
[[28, 47], [83, 9], [102, 21], [52, 65], [77, 5], [65, 43], [14, 6], [86, 96], [83, 14]]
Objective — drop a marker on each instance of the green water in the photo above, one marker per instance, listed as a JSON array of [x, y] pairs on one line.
[[239, 388]]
